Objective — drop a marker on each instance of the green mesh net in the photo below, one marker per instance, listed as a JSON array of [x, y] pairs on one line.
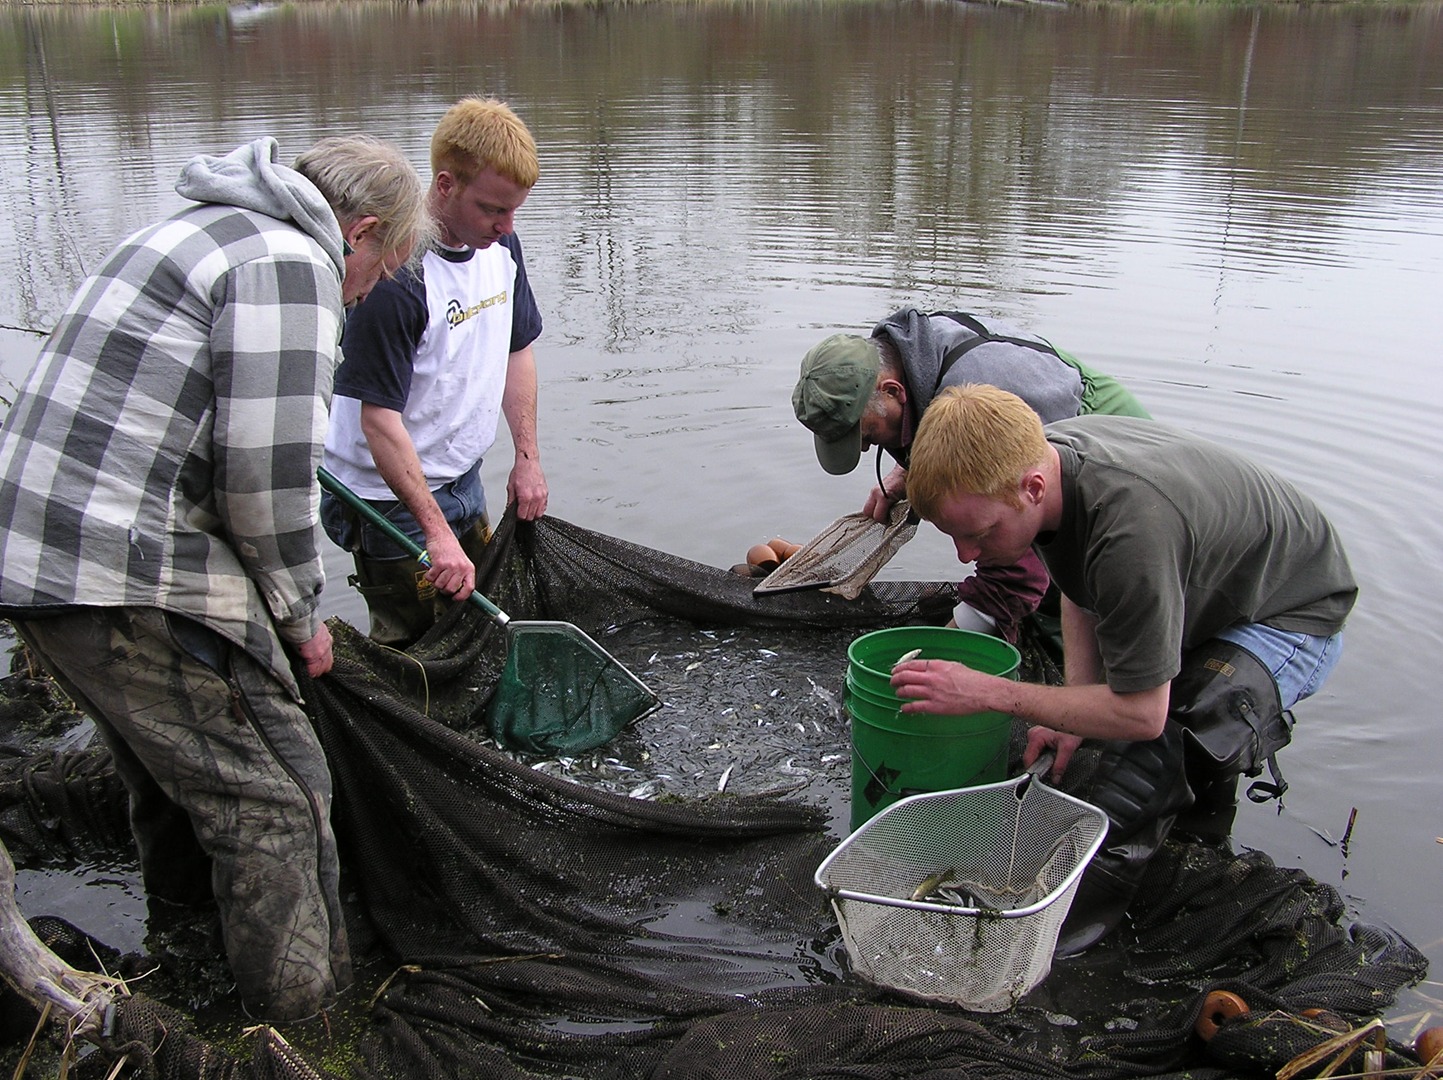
[[561, 693]]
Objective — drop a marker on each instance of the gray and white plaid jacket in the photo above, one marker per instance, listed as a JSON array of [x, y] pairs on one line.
[[163, 451]]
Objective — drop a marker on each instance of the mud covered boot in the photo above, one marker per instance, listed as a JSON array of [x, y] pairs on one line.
[[1141, 786]]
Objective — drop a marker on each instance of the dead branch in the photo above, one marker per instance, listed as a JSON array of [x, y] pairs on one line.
[[41, 977]]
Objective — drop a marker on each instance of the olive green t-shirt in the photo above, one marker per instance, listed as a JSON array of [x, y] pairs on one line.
[[1169, 539]]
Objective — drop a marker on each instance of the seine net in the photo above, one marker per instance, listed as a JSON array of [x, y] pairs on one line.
[[648, 909]]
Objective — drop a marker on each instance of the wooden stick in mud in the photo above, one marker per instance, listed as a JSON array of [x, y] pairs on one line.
[[41, 977]]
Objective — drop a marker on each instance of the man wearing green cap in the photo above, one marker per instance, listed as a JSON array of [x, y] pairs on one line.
[[856, 392]]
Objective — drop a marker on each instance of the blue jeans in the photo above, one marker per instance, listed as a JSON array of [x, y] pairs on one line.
[[1299, 663], [462, 502]]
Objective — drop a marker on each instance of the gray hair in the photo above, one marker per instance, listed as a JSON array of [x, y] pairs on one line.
[[361, 176]]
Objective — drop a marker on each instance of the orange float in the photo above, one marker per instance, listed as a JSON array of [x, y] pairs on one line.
[[1325, 1019], [764, 556], [785, 549], [1429, 1045], [1219, 1007]]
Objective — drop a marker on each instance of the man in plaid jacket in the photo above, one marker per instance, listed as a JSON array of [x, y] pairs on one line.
[[159, 541]]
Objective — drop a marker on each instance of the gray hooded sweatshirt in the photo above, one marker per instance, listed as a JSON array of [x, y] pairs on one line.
[[948, 348], [163, 451]]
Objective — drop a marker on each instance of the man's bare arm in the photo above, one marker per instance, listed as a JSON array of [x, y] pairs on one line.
[[395, 456], [526, 486]]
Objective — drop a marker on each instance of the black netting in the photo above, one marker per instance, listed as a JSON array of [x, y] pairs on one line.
[[647, 909], [60, 805], [159, 1040]]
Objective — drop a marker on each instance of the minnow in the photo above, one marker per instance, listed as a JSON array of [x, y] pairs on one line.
[[905, 657], [960, 897], [929, 884]]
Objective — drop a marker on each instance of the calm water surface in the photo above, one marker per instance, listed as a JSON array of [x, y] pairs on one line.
[[1236, 210]]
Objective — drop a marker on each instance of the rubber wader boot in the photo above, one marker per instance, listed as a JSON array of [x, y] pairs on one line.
[[399, 599], [1141, 786], [1233, 723], [402, 603], [1210, 818]]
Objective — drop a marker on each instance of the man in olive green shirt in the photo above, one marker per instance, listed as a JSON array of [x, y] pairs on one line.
[[1202, 597]]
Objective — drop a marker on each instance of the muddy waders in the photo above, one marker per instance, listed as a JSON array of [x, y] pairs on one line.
[[401, 602], [1225, 719], [208, 742]]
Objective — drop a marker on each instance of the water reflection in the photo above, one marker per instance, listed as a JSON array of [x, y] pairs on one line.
[[755, 137], [1234, 209]]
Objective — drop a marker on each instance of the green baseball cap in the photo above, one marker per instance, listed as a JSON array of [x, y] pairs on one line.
[[838, 378]]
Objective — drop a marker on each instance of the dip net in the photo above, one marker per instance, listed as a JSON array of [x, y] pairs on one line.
[[647, 909]]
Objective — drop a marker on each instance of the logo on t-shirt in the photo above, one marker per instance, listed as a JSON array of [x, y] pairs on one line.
[[456, 314]]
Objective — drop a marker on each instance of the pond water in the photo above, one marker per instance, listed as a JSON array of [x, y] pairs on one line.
[[1235, 209]]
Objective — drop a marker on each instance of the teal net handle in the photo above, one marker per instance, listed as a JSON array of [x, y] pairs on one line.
[[375, 517]]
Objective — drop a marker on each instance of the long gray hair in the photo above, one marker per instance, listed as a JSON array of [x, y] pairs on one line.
[[361, 176]]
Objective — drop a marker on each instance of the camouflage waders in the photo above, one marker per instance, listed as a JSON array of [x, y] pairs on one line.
[[213, 749]]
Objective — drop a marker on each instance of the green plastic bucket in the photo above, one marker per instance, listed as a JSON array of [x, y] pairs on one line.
[[895, 754]]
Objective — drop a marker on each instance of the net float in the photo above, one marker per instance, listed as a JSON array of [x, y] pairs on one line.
[[763, 555], [785, 549], [1219, 1007], [1429, 1045]]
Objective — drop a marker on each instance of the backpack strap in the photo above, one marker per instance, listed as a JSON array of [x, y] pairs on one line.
[[984, 335]]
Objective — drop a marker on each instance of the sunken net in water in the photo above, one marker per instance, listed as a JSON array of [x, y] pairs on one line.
[[647, 909]]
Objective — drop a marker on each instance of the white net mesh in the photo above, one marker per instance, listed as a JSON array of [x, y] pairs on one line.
[[958, 896]]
